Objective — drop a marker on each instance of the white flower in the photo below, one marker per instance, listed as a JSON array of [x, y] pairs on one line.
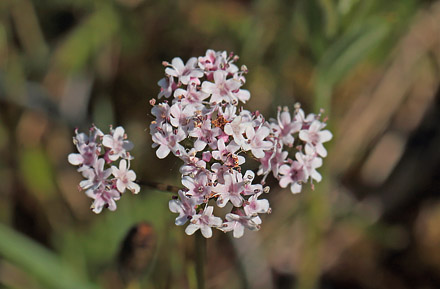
[[310, 164], [182, 71], [125, 178], [103, 198], [117, 143], [168, 141], [185, 207], [204, 222], [231, 190], [255, 141], [314, 138], [227, 90], [294, 175], [237, 223]]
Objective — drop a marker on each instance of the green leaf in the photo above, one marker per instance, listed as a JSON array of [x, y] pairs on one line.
[[38, 261], [344, 55]]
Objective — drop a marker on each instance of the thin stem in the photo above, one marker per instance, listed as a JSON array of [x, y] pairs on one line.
[[160, 187], [200, 250]]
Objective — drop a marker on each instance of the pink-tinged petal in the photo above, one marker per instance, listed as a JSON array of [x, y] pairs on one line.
[[243, 95], [106, 173], [177, 63], [162, 151], [263, 132], [285, 181], [174, 206], [172, 72], [219, 76], [131, 175], [107, 141], [250, 132], [206, 231], [191, 62], [181, 220], [316, 162], [187, 183], [119, 132], [208, 87], [97, 208], [120, 186], [115, 171], [316, 176], [208, 211], [263, 206], [285, 117], [284, 169], [310, 150], [199, 145], [85, 184], [304, 135], [238, 230], [258, 153], [295, 188], [123, 165], [257, 220], [325, 136], [215, 221], [320, 149], [237, 201], [134, 188], [315, 126], [191, 229], [75, 159]]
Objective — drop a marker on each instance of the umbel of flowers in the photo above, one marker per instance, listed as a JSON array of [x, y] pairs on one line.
[[203, 125], [104, 183]]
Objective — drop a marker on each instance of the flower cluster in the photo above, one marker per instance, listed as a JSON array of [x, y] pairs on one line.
[[96, 152], [204, 127]]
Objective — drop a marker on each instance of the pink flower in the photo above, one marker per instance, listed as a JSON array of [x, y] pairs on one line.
[[236, 128], [168, 141], [181, 116], [204, 222], [185, 207], [237, 224], [103, 198], [96, 176], [125, 178], [294, 175], [231, 190], [198, 186], [87, 147], [92, 160], [287, 127], [314, 137], [255, 141], [206, 135], [184, 72], [191, 96], [117, 144], [167, 86], [227, 90], [310, 164], [253, 207], [227, 154]]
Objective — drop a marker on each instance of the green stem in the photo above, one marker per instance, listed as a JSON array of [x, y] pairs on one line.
[[200, 251]]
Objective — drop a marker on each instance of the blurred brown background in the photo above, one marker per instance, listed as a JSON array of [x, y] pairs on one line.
[[374, 66]]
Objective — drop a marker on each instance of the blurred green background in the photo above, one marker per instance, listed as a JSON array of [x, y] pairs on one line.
[[374, 66]]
